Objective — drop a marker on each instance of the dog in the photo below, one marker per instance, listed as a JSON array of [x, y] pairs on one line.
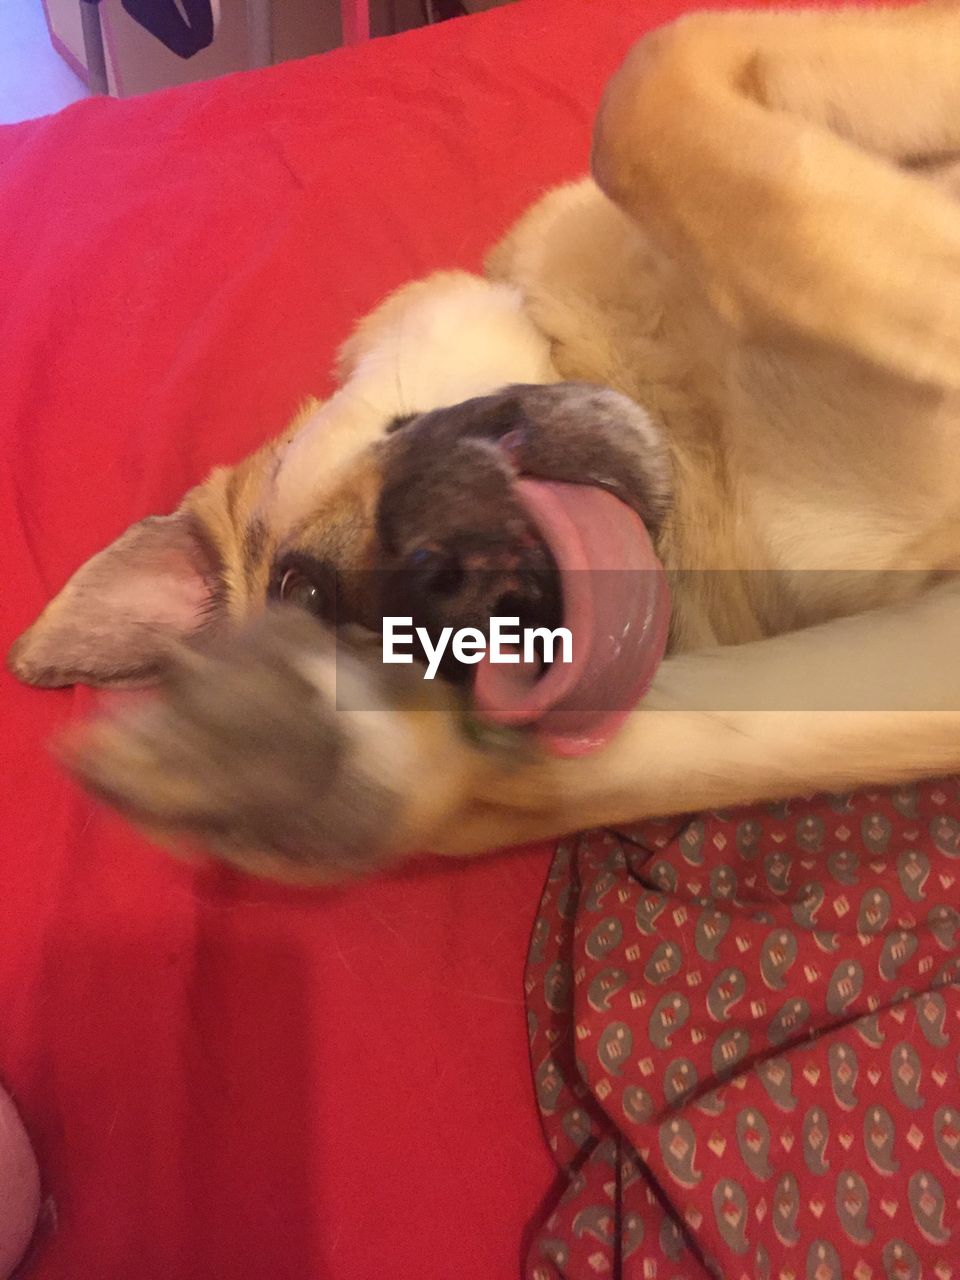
[[745, 327]]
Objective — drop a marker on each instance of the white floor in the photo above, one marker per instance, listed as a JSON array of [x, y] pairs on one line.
[[34, 79]]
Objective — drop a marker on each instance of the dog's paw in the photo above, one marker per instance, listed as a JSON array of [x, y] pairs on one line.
[[283, 752]]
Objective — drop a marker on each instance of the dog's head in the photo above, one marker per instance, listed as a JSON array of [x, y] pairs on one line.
[[448, 517]]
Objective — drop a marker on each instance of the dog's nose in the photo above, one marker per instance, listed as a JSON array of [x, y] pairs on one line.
[[466, 581], [471, 581]]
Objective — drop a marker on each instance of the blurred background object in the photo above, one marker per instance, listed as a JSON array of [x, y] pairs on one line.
[[126, 47]]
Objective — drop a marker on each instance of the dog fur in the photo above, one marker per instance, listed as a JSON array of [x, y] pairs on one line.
[[768, 262]]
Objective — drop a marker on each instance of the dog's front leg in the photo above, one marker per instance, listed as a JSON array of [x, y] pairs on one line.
[[864, 700], [284, 752], [293, 758]]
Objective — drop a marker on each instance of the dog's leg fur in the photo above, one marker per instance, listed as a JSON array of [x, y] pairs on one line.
[[754, 114], [869, 698]]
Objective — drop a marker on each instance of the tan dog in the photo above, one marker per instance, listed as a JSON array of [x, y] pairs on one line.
[[773, 274]]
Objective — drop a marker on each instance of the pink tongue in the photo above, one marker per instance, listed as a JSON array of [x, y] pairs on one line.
[[616, 605]]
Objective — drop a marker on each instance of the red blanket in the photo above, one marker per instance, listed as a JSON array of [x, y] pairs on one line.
[[223, 1078]]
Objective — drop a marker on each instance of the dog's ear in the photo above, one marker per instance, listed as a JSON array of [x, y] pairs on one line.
[[115, 619]]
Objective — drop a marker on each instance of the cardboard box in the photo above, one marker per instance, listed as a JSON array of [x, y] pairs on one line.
[[248, 33]]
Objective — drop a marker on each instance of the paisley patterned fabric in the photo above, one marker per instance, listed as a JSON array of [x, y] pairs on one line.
[[745, 1033]]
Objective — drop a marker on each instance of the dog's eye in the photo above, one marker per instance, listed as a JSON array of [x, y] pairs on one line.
[[296, 588], [307, 582]]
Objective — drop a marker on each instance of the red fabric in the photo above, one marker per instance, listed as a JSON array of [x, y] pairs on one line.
[[744, 1033], [224, 1078]]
